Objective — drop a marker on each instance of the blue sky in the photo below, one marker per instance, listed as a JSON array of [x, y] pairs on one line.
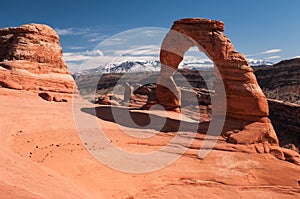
[[260, 29]]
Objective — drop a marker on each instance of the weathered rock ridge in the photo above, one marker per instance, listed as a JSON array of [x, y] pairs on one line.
[[31, 59], [246, 107]]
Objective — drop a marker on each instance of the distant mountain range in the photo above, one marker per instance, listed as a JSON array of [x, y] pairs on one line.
[[259, 63], [127, 66], [131, 66]]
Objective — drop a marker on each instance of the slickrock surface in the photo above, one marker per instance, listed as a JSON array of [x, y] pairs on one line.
[[41, 156]]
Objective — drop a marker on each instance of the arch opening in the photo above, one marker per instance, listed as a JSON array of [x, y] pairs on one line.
[[198, 69]]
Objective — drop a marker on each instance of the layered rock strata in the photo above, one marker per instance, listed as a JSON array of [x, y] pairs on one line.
[[31, 59]]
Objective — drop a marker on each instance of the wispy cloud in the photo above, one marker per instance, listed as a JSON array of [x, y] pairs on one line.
[[276, 50], [115, 41], [64, 32], [273, 57], [271, 51], [76, 47], [150, 51], [72, 31], [89, 34], [76, 40], [91, 59], [97, 38], [147, 50], [81, 56]]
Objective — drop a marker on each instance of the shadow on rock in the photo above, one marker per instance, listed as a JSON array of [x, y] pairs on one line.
[[129, 118]]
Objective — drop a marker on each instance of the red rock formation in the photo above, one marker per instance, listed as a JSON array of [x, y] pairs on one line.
[[247, 107], [31, 59]]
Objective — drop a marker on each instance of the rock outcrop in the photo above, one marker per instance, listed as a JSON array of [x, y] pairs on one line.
[[281, 81], [285, 119], [247, 107], [31, 59]]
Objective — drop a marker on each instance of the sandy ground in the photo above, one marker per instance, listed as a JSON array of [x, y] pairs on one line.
[[42, 156]]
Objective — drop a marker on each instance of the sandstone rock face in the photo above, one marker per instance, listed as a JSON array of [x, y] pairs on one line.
[[31, 59], [247, 107]]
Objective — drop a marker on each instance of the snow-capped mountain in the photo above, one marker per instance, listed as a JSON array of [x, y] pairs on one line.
[[259, 63], [143, 66], [197, 64], [129, 66]]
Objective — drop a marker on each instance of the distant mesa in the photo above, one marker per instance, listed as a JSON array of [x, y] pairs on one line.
[[31, 59]]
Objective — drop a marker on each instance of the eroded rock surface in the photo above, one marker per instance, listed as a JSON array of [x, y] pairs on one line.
[[31, 59]]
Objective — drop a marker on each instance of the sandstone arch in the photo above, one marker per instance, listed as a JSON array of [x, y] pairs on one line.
[[247, 107]]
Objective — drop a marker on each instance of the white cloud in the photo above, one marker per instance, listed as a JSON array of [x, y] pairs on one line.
[[95, 39], [273, 57], [73, 66], [298, 56], [87, 33], [84, 62], [276, 50], [75, 48], [113, 42], [63, 32], [150, 33], [199, 59], [74, 57], [271, 51], [71, 31], [147, 50], [81, 56]]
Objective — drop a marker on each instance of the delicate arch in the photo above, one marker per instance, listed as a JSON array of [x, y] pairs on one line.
[[245, 100]]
